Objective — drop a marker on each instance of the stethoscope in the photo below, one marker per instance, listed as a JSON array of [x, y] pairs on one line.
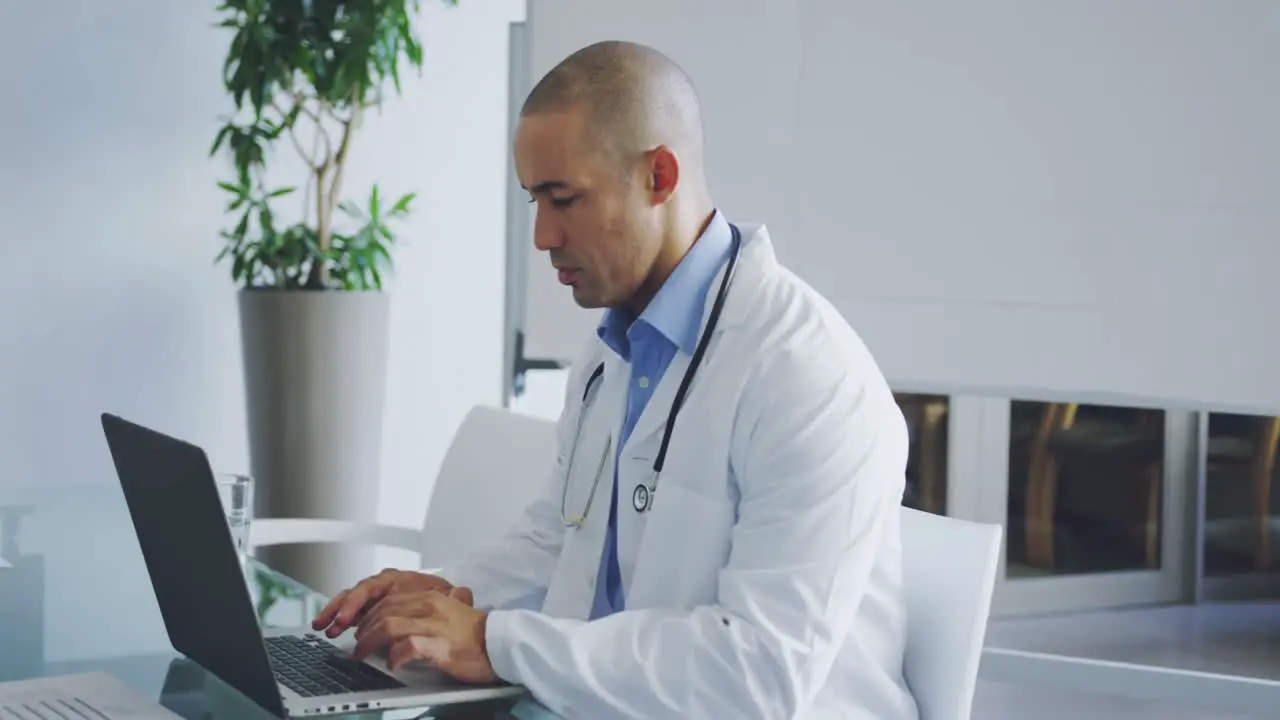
[[642, 495]]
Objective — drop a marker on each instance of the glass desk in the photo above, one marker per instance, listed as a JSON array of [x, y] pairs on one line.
[[75, 597]]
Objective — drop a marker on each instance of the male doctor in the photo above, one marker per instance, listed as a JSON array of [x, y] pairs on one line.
[[759, 573]]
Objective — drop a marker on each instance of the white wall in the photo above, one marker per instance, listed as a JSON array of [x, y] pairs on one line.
[[449, 137], [1065, 197], [110, 219]]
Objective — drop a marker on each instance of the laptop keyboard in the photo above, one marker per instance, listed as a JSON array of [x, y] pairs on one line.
[[311, 666]]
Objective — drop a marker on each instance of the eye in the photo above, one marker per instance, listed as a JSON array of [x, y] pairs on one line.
[[564, 202]]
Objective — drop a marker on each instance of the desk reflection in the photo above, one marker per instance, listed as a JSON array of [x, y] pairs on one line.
[[22, 589]]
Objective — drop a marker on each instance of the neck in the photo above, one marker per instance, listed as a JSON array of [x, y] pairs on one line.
[[682, 230]]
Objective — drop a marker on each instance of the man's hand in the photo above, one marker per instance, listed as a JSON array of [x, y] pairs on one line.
[[441, 629], [350, 606]]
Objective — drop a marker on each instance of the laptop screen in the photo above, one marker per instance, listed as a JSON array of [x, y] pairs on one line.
[[187, 546]]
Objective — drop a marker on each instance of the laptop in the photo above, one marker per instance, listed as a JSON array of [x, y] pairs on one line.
[[208, 612]]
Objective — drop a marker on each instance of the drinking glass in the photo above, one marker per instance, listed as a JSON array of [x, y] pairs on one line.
[[236, 493]]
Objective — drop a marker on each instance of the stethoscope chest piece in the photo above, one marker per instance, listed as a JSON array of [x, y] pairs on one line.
[[641, 498]]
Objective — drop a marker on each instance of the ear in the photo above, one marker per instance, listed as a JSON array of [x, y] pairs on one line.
[[664, 174]]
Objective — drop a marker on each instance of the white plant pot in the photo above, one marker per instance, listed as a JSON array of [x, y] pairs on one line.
[[315, 382]]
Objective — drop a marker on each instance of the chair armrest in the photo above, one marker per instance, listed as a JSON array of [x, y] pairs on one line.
[[289, 531]]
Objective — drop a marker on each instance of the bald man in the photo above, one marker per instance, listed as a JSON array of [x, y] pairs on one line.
[[769, 583]]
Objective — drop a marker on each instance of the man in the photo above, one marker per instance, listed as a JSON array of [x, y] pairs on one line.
[[765, 579]]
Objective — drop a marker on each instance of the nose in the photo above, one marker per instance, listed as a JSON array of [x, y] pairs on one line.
[[546, 232]]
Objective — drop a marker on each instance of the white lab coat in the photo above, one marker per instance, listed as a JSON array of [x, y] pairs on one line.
[[766, 582]]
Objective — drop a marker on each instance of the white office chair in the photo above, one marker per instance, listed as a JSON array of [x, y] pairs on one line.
[[495, 466], [950, 571]]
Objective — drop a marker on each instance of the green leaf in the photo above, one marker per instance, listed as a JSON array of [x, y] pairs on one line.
[[281, 192], [402, 205], [219, 138], [242, 227]]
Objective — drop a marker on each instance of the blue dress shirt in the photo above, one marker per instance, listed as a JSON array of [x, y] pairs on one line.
[[670, 323]]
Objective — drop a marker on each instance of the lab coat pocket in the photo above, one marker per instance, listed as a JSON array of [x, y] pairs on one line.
[[685, 544]]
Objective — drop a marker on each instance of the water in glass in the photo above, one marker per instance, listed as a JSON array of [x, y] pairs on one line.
[[236, 493]]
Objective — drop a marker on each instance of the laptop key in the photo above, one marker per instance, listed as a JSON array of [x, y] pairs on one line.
[[321, 668]]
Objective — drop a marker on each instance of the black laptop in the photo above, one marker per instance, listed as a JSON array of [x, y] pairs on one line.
[[200, 587]]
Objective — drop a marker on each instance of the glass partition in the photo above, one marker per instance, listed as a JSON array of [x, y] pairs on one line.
[[1085, 488], [927, 419], [1241, 513]]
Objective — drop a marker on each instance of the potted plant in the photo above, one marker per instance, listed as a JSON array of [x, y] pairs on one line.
[[309, 263]]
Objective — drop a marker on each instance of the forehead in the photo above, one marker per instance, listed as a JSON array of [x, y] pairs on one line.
[[551, 147]]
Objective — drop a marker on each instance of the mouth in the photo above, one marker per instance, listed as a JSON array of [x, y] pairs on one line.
[[567, 276]]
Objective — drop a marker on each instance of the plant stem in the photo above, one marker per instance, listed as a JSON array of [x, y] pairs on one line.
[[321, 133], [319, 275], [309, 159], [311, 177], [324, 234]]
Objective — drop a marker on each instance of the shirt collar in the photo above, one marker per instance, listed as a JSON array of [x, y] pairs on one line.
[[676, 310]]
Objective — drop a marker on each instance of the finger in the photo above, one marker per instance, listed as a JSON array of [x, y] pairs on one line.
[[428, 643], [355, 603], [414, 647], [326, 615], [410, 605], [463, 594], [384, 633]]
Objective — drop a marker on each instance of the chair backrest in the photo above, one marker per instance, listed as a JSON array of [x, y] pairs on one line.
[[949, 573], [496, 465]]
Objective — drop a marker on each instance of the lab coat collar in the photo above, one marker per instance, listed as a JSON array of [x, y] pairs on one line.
[[755, 258], [674, 311]]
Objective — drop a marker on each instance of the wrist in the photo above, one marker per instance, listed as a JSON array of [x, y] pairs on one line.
[[495, 647], [482, 642]]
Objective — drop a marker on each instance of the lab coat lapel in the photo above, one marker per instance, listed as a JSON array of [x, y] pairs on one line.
[[635, 463]]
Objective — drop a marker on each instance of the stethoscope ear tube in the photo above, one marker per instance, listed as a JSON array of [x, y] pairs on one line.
[[698, 352]]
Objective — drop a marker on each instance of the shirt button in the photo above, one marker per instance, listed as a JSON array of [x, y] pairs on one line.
[[644, 382]]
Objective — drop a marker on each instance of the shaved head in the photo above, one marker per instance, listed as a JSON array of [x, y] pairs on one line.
[[634, 98], [609, 147]]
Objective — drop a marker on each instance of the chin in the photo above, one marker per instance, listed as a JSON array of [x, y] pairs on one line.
[[587, 303], [587, 300]]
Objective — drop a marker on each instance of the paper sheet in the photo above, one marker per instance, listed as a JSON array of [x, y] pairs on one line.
[[85, 696]]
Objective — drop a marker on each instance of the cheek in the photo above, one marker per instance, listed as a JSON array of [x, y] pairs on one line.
[[598, 240]]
